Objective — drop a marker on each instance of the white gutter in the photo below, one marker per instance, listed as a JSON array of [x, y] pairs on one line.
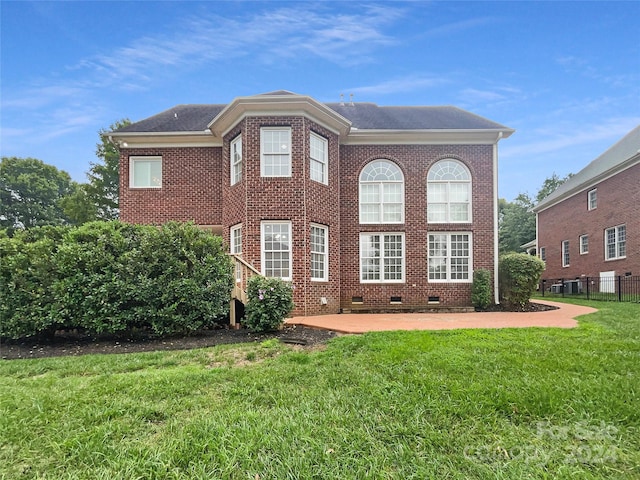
[[496, 289]]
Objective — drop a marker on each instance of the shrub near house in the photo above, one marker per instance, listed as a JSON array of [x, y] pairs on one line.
[[108, 277]]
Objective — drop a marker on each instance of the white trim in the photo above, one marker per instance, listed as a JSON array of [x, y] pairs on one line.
[[232, 164], [143, 158], [233, 235], [448, 201], [496, 243], [593, 191], [262, 246], [262, 154], [448, 257], [325, 229], [381, 257], [583, 251], [567, 252], [425, 137], [381, 203], [616, 242], [324, 161]]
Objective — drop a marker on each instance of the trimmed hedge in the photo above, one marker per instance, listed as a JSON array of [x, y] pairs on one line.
[[108, 277], [481, 289], [519, 276]]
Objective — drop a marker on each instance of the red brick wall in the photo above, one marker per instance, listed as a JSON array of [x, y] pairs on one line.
[[618, 203], [296, 199], [191, 187], [414, 161]]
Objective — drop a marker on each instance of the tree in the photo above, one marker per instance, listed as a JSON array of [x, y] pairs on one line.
[[517, 220], [32, 193], [102, 191]]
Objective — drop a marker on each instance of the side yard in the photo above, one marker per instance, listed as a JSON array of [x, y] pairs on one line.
[[513, 403]]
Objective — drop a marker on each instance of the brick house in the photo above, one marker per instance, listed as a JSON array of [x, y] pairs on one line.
[[590, 226], [362, 207]]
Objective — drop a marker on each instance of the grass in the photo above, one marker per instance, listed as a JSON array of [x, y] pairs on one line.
[[504, 404]]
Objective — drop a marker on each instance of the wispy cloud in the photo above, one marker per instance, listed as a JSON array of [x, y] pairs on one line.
[[409, 83], [554, 139], [458, 27]]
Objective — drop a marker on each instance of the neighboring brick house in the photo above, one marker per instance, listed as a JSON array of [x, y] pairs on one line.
[[590, 226], [360, 206]]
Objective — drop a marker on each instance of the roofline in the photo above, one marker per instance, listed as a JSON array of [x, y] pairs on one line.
[[164, 139], [427, 136], [278, 105], [589, 183]]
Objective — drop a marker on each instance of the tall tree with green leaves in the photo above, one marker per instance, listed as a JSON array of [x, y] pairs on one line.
[[32, 193], [517, 221], [102, 191]]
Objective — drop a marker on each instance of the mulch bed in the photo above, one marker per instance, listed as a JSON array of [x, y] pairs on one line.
[[73, 343]]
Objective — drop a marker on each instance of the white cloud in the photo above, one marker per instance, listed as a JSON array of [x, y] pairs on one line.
[[401, 84]]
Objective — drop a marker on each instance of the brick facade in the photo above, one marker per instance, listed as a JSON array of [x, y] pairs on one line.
[[196, 187], [618, 204]]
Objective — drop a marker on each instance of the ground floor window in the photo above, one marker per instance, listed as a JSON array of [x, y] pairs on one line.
[[450, 257], [319, 264], [382, 257], [615, 242], [276, 249]]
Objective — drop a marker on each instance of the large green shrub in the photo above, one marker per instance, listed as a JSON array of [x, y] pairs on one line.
[[519, 276], [270, 301], [481, 289], [107, 277]]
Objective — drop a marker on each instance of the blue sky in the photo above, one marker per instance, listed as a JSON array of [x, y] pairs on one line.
[[565, 75]]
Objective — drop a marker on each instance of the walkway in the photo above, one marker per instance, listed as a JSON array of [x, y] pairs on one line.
[[563, 317]]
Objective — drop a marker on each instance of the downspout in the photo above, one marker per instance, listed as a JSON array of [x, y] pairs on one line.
[[496, 291]]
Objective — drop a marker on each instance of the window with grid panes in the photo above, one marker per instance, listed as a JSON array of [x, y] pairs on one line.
[[448, 192], [276, 249], [381, 197], [382, 257], [275, 151], [450, 257], [319, 264]]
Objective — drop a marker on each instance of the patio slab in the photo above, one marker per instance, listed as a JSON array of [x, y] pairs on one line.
[[563, 317]]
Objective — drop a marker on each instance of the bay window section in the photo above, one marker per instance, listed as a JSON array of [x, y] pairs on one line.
[[275, 152], [276, 249], [319, 252]]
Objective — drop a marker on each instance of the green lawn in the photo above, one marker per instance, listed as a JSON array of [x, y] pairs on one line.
[[499, 404]]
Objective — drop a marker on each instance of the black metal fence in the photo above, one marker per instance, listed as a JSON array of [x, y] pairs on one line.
[[621, 288]]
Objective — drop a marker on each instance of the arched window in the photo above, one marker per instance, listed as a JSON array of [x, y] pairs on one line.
[[448, 192], [381, 193]]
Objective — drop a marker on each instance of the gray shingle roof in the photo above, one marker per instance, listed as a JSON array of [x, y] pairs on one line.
[[364, 116], [621, 152], [181, 118]]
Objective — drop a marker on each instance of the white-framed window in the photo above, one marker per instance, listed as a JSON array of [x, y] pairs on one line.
[[615, 242], [235, 241], [145, 172], [565, 253], [381, 196], [276, 249], [318, 152], [448, 192], [319, 253], [450, 257], [584, 244], [275, 151], [235, 149], [382, 257], [593, 199], [543, 254]]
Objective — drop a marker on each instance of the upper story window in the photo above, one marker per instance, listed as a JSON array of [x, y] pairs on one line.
[[235, 149], [448, 192], [584, 244], [276, 249], [565, 253], [593, 199], [275, 151], [381, 193], [318, 153], [319, 252], [145, 172], [615, 242]]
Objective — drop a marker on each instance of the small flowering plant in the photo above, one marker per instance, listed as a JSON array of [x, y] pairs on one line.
[[270, 301]]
